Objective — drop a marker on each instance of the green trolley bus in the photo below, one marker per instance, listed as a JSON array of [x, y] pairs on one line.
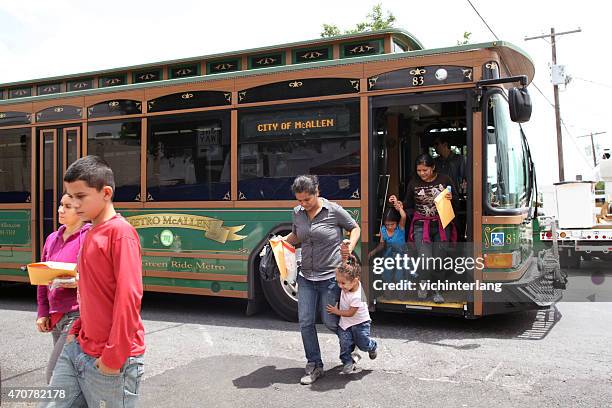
[[205, 149]]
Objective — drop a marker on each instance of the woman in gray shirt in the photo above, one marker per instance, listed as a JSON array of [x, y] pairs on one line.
[[317, 226]]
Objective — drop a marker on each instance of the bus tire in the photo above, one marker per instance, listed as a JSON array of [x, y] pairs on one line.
[[282, 298]]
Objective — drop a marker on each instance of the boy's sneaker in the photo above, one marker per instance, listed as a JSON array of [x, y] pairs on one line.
[[311, 377], [373, 354], [356, 357], [437, 297], [349, 368]]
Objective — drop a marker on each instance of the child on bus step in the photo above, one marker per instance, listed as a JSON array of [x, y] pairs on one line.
[[103, 365], [393, 241], [354, 326]]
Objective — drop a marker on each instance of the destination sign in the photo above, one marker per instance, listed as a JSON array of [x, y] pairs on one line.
[[324, 123]]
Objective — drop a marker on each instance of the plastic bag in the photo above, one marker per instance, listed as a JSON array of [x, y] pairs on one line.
[[57, 282], [284, 253]]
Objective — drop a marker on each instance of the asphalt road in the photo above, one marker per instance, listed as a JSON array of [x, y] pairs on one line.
[[204, 352]]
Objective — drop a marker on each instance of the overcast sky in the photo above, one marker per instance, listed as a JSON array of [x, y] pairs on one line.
[[46, 38]]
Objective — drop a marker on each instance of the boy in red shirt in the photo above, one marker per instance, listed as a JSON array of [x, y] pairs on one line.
[[102, 362]]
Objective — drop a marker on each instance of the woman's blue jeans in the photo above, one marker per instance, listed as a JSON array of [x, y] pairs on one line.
[[313, 297]]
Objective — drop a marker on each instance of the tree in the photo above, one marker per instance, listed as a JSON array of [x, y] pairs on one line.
[[330, 30], [375, 20], [466, 38]]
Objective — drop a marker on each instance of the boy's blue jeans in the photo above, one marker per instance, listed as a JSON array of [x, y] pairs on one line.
[[313, 298], [86, 386], [357, 335]]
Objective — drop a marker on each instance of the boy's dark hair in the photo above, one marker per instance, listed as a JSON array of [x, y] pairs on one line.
[[392, 215], [442, 139], [93, 170], [350, 268]]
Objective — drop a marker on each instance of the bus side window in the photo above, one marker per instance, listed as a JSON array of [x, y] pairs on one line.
[[15, 165]]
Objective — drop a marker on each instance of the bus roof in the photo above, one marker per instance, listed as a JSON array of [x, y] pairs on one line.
[[403, 36], [515, 60]]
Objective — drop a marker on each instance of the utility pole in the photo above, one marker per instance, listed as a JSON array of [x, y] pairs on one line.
[[593, 144], [553, 44]]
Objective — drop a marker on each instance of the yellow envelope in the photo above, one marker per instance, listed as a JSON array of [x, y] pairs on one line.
[[445, 208], [42, 273]]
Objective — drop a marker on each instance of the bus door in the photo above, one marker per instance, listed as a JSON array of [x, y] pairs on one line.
[[402, 127], [58, 148]]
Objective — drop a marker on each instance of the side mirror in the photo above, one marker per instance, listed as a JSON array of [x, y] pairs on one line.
[[520, 104]]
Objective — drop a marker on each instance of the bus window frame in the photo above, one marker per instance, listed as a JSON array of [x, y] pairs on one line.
[[489, 209], [224, 117], [291, 106], [31, 157], [118, 119]]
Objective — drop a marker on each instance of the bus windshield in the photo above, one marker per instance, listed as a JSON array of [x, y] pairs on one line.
[[507, 167]]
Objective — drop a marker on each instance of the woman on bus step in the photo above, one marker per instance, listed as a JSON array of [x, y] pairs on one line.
[[426, 227], [317, 226], [58, 308]]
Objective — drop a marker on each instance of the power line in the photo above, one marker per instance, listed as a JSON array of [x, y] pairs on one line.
[[593, 82], [572, 138], [593, 144], [553, 44], [483, 20], [542, 93], [552, 35], [497, 38], [591, 112], [575, 142]]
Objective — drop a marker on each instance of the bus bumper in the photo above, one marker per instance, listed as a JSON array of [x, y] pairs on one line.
[[534, 290]]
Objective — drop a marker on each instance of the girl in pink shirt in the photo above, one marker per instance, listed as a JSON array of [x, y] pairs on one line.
[[354, 326], [58, 308]]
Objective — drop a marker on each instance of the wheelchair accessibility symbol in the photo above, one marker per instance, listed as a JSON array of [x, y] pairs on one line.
[[498, 238]]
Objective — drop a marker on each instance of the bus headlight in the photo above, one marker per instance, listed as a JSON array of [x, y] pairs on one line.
[[441, 74]]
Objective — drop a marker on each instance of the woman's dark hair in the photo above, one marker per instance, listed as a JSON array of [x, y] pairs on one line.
[[425, 159], [306, 183], [392, 215], [350, 268]]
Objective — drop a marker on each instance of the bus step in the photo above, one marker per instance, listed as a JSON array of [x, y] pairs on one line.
[[416, 304]]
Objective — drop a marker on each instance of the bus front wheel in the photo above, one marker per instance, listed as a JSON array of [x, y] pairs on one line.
[[282, 297]]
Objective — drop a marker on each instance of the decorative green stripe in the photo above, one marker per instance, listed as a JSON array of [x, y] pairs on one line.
[[196, 265], [191, 283], [8, 256], [13, 272]]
